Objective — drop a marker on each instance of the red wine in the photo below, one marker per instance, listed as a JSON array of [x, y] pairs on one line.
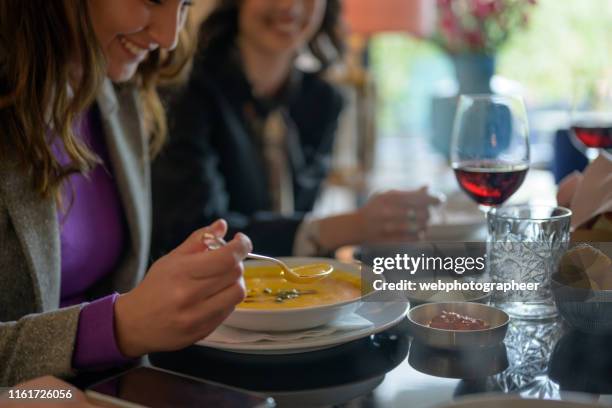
[[595, 136], [490, 182]]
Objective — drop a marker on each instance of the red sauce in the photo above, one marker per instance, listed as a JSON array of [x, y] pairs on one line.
[[455, 321]]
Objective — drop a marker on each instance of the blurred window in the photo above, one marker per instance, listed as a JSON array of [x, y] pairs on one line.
[[566, 40]]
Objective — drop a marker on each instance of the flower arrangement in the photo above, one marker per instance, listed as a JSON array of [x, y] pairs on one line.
[[479, 26]]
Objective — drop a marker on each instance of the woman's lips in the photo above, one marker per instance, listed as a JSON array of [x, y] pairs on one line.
[[286, 28], [137, 51], [285, 25], [285, 22]]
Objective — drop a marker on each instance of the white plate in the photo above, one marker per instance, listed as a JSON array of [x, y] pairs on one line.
[[383, 315]]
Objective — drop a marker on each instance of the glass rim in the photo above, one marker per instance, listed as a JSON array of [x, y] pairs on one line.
[[565, 212]]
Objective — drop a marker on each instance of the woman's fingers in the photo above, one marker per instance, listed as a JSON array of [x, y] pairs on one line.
[[194, 243], [203, 316], [401, 215], [209, 325], [206, 288], [207, 264], [219, 228], [402, 227], [215, 309], [201, 275], [416, 198], [401, 212]]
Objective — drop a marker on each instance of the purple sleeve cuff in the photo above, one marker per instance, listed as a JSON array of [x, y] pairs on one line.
[[96, 345]]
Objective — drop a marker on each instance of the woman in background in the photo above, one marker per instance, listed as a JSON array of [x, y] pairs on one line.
[[74, 192], [251, 136]]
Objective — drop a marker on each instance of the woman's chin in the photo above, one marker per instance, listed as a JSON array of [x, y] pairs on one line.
[[121, 73]]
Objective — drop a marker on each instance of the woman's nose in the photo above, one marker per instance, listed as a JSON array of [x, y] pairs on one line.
[[166, 23]]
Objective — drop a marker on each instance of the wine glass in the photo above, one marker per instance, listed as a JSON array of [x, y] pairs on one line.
[[591, 118], [490, 147]]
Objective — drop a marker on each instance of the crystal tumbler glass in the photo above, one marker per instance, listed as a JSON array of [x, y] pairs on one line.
[[524, 246]]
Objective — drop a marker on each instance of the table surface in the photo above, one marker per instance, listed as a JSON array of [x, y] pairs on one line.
[[538, 359]]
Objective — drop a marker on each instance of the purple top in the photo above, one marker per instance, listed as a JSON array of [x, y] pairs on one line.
[[92, 233]]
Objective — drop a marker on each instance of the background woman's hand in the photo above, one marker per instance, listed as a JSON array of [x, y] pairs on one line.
[[184, 296], [396, 215], [390, 216]]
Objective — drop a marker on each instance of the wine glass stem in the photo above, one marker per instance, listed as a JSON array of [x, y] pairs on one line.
[[485, 209]]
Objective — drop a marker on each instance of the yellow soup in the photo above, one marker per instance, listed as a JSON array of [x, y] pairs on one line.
[[266, 289]]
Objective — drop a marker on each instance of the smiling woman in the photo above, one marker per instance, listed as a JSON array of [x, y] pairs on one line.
[[79, 114], [126, 34], [252, 136]]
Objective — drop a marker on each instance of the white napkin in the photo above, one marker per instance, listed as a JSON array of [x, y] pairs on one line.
[[230, 335]]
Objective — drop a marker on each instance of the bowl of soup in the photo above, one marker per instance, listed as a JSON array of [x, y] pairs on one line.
[[273, 303]]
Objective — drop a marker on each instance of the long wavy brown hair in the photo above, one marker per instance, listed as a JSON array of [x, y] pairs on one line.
[[41, 95], [220, 30]]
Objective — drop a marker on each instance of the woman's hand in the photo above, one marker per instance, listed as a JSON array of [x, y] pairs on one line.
[[184, 296], [390, 216], [396, 215]]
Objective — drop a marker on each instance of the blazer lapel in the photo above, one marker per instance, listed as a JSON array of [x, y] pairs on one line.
[[35, 219], [130, 164], [36, 226]]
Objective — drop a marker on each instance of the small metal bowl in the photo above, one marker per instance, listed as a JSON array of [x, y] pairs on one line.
[[419, 318], [584, 309], [466, 364]]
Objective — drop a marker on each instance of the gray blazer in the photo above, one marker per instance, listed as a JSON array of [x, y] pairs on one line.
[[36, 337]]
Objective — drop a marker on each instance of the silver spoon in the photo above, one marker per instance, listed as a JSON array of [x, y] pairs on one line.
[[300, 274]]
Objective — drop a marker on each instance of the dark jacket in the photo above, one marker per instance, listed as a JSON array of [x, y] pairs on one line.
[[212, 167]]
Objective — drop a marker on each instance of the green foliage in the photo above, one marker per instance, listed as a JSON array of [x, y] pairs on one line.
[[568, 45]]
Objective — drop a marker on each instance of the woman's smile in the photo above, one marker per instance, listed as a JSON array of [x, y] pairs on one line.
[[128, 30], [286, 23], [136, 51]]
